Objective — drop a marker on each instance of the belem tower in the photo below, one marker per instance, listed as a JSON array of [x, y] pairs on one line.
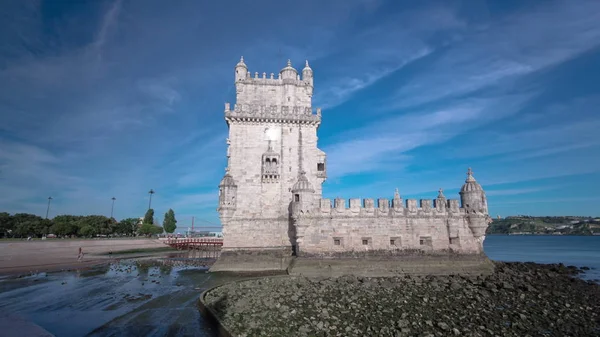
[[270, 199]]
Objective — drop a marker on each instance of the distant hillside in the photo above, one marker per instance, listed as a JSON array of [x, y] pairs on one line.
[[546, 225]]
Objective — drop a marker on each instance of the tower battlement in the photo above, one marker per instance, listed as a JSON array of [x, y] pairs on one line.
[[388, 208]]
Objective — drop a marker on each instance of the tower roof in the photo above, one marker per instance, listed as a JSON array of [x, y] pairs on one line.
[[441, 194], [471, 184], [306, 67], [302, 185], [241, 63], [289, 67], [227, 180]]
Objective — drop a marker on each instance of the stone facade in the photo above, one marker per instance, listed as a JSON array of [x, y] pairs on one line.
[[271, 195]]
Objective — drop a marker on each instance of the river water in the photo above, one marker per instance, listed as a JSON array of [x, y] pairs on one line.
[[154, 298]]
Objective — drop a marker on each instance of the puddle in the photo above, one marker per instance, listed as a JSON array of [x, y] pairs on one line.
[[125, 298]]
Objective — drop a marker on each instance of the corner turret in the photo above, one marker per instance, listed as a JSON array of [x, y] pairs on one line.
[[241, 70], [288, 73], [227, 197], [307, 74], [302, 196], [472, 196]]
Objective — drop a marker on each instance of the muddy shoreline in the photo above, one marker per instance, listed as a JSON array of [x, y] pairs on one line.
[[518, 299]]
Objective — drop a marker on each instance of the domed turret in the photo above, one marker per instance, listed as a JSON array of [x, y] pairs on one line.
[[307, 74], [288, 73], [472, 195], [227, 196], [241, 70], [303, 195], [303, 185]]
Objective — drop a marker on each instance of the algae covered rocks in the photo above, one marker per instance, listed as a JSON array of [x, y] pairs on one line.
[[519, 299]]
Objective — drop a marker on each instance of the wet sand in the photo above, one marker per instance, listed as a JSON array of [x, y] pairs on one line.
[[18, 257]]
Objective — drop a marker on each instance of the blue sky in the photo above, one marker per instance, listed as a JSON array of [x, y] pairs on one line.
[[112, 98]]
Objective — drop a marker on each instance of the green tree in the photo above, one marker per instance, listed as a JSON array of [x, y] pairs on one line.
[[127, 226], [150, 229], [65, 225], [30, 224], [170, 224], [87, 231], [149, 217], [7, 224]]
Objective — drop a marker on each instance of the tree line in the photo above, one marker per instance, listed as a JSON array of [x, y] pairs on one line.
[[21, 225]]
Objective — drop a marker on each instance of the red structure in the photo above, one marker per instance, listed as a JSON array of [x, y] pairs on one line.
[[195, 243]]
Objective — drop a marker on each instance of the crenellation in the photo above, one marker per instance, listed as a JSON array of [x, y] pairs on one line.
[[383, 204], [339, 204], [411, 205], [355, 205], [272, 190], [325, 205], [425, 205]]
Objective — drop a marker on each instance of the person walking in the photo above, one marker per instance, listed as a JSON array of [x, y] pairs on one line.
[[80, 255]]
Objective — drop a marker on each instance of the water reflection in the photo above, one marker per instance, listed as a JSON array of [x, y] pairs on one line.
[[133, 298]]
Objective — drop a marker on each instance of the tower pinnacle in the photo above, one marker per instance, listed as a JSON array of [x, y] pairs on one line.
[[470, 177]]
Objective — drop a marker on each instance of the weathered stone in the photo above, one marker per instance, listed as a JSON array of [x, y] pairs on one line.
[[271, 195]]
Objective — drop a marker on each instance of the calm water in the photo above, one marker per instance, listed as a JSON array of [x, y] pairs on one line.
[[581, 251], [150, 299]]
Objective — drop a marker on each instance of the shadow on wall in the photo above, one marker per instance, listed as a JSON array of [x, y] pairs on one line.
[[291, 230]]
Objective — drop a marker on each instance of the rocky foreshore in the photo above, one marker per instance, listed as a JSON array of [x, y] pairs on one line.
[[518, 299]]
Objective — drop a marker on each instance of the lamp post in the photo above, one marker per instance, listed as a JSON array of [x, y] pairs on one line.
[[150, 201], [48, 209], [112, 207]]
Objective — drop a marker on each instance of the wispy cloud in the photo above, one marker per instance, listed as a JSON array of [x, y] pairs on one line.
[[506, 49]]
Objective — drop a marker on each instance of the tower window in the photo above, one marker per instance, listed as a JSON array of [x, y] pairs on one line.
[[365, 242], [296, 197], [337, 241], [321, 167]]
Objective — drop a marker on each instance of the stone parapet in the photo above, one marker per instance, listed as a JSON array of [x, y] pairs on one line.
[[366, 207]]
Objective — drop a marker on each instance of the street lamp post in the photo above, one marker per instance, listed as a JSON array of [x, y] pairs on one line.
[[112, 208], [48, 209], [150, 201]]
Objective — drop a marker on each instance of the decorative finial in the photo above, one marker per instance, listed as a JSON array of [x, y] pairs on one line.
[[441, 194], [470, 177], [242, 59], [396, 194], [307, 64], [227, 170], [289, 63]]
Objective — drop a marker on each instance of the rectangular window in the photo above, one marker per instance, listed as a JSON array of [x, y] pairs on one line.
[[425, 241], [365, 242], [296, 197], [337, 242], [395, 242], [392, 242], [454, 241], [321, 167]]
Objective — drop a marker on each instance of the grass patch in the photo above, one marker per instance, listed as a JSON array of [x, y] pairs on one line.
[[143, 250]]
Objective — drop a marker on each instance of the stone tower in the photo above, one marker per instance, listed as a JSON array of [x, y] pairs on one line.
[[272, 139]]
